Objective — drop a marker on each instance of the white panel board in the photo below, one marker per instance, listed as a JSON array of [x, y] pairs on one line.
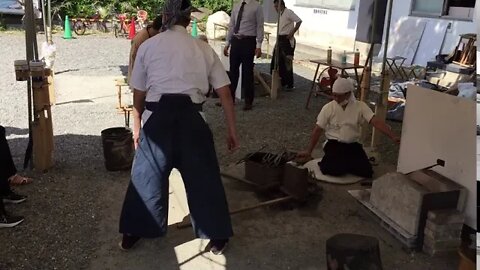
[[441, 126], [478, 139], [404, 39], [431, 42]]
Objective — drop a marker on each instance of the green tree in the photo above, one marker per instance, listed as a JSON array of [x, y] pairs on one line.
[[214, 5], [81, 8]]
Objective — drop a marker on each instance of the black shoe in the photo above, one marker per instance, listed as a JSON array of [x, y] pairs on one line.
[[217, 247], [7, 221], [128, 241], [289, 88], [247, 107], [13, 197]]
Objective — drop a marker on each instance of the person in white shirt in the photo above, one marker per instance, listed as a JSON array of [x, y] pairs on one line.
[[288, 26], [245, 36], [341, 121], [170, 78], [146, 33]]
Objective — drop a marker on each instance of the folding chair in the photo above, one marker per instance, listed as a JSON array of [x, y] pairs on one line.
[[397, 69]]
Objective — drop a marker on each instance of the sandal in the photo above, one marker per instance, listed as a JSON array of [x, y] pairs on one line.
[[18, 180]]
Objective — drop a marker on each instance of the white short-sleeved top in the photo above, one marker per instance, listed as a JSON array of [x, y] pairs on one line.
[[176, 63], [344, 124], [288, 19]]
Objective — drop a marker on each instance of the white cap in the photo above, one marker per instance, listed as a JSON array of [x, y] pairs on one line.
[[342, 86]]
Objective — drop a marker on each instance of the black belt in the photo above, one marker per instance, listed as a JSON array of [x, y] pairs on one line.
[[155, 105], [339, 142], [243, 37]]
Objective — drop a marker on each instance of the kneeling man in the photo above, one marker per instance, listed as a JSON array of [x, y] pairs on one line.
[[341, 121]]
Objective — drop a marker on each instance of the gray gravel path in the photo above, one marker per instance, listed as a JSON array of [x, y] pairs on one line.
[[65, 206], [62, 210]]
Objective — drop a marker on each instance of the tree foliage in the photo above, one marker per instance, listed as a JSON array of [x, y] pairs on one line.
[[106, 8]]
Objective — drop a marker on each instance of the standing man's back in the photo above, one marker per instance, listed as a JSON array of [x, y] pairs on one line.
[[170, 78], [183, 68]]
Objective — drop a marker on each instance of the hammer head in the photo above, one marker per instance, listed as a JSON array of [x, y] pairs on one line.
[[441, 162]]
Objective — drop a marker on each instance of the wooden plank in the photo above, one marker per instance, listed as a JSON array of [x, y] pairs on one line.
[[463, 65], [260, 79], [275, 84], [51, 90], [49, 132]]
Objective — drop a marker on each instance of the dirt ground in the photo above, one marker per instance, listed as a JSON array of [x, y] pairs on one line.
[[73, 210]]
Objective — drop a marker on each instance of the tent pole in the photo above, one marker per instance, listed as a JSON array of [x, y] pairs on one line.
[[49, 9], [382, 102]]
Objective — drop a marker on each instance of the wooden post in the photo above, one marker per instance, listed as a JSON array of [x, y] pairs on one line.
[[275, 84], [49, 26], [365, 89], [51, 87], [32, 53], [381, 104], [381, 107], [365, 84]]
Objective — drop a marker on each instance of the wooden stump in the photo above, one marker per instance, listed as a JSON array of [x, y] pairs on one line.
[[353, 251]]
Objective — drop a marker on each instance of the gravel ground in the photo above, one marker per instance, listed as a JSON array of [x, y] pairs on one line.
[[63, 212], [62, 208]]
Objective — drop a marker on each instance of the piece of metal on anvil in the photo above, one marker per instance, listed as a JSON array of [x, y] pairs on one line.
[[295, 182]]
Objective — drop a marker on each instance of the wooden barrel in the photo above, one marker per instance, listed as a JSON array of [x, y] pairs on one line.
[[353, 251]]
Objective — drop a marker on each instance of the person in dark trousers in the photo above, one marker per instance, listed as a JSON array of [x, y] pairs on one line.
[[244, 39], [8, 174], [341, 120], [170, 78], [288, 26]]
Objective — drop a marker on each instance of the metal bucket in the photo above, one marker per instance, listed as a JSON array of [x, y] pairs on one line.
[[118, 149]]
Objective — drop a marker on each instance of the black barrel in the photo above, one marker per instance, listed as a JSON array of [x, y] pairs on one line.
[[118, 148]]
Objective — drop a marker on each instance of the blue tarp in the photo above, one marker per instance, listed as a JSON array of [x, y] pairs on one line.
[[10, 7]]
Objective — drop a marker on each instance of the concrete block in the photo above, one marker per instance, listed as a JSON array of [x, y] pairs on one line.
[[437, 252], [443, 228], [442, 235], [400, 199], [446, 216], [433, 181], [442, 244]]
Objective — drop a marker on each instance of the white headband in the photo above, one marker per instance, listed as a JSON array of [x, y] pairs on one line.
[[342, 86]]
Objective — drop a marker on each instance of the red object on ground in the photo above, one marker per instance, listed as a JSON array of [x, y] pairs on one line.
[[131, 31], [327, 82]]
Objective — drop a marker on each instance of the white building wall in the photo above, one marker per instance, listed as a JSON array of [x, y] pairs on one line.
[[401, 10], [323, 28]]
